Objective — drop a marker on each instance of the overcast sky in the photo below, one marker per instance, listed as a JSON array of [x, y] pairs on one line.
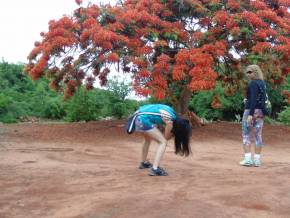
[[21, 22]]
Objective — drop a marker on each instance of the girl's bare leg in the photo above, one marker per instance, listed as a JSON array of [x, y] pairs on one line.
[[156, 135], [145, 148]]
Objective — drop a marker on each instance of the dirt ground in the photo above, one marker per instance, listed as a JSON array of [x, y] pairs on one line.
[[89, 170]]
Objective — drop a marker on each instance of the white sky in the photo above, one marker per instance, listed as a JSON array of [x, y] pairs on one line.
[[21, 22]]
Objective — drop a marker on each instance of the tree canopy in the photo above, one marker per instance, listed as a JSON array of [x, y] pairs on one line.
[[171, 47]]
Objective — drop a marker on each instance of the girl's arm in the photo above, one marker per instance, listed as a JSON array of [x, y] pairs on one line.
[[168, 127], [168, 124]]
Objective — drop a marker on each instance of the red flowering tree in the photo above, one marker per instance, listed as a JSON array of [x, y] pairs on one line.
[[172, 48]]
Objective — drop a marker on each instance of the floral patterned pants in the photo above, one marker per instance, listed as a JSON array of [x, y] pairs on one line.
[[256, 127]]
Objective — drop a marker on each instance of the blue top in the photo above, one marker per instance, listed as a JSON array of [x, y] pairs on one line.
[[149, 119], [256, 96]]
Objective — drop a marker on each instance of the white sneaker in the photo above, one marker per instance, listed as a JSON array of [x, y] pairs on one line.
[[246, 163], [257, 162]]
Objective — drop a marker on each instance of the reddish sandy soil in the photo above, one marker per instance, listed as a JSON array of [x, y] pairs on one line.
[[89, 170]]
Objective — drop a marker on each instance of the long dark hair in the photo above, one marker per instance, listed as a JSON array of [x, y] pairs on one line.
[[182, 132]]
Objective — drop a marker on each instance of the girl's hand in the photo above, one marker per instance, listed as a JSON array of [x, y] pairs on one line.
[[250, 119]]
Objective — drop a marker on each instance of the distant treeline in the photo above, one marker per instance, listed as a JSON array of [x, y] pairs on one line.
[[21, 98]]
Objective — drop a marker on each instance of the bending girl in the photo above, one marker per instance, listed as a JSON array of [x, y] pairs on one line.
[[174, 126]]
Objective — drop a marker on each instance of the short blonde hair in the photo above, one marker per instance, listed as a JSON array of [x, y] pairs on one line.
[[256, 70]]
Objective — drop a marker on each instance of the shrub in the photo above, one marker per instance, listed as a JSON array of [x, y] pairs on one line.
[[83, 106], [119, 110], [230, 106], [54, 109], [201, 104], [18, 109], [269, 120], [8, 118], [4, 103], [131, 106], [5, 117], [284, 116]]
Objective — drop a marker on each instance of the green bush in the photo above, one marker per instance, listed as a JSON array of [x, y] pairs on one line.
[[276, 100], [124, 108], [8, 118], [201, 104], [131, 106], [20, 96], [284, 116], [5, 117], [54, 109], [84, 106], [4, 103], [271, 121], [18, 109], [119, 110], [231, 106]]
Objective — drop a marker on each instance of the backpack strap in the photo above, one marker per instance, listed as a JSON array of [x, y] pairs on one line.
[[266, 94], [156, 114], [263, 90]]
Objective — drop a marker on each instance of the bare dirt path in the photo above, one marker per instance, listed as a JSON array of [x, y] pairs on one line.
[[89, 170]]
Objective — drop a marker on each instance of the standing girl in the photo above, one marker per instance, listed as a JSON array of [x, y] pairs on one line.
[[146, 120], [253, 118]]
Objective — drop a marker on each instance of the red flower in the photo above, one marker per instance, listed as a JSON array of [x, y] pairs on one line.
[[261, 34], [253, 19], [178, 72], [285, 3], [159, 94], [261, 46], [141, 63], [231, 23], [260, 5], [233, 4], [235, 31], [113, 57], [144, 74], [216, 103], [221, 17]]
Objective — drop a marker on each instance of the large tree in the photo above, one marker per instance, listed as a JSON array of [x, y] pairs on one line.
[[172, 47]]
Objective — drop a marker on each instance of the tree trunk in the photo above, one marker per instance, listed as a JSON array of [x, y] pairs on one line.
[[183, 102], [182, 108]]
